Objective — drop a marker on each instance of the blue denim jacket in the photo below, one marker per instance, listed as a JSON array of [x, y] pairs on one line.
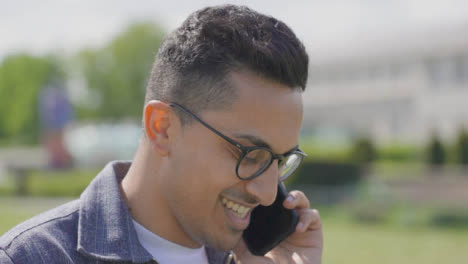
[[97, 228]]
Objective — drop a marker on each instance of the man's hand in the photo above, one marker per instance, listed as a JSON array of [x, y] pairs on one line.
[[303, 246]]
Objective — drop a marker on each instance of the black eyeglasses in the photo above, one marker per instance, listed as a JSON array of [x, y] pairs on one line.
[[253, 161]]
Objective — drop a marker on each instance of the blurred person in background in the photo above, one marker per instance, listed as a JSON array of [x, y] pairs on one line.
[[55, 112], [225, 84]]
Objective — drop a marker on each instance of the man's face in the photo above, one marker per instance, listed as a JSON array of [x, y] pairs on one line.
[[203, 182]]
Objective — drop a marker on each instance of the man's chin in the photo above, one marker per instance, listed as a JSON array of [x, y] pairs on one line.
[[226, 244]]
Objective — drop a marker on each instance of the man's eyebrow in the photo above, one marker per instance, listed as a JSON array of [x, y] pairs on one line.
[[259, 142], [253, 139]]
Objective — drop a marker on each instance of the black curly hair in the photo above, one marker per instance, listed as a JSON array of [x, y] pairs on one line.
[[193, 61]]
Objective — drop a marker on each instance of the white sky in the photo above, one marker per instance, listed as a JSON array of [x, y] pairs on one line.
[[69, 25]]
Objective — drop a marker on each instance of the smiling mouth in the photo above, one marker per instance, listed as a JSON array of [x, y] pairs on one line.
[[240, 210]]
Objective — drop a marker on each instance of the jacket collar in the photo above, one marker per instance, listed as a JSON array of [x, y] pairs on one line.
[[105, 227]]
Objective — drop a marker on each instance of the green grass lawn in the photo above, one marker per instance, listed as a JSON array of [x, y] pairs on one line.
[[15, 210], [65, 183], [345, 241], [44, 189], [353, 243]]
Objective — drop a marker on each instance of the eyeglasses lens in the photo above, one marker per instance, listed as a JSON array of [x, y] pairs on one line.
[[258, 160], [288, 165]]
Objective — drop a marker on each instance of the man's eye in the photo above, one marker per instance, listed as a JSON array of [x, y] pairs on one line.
[[250, 160], [254, 157]]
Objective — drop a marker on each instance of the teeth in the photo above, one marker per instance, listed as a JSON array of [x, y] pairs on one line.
[[240, 210]]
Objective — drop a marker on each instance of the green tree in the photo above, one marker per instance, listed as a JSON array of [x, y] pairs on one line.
[[21, 78], [462, 147], [117, 73], [435, 151], [363, 151]]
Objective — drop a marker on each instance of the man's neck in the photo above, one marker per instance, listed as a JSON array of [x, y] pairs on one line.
[[142, 191]]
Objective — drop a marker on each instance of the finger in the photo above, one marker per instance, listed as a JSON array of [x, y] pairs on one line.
[[296, 199], [309, 219]]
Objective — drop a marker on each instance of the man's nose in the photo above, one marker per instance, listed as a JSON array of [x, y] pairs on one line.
[[265, 186]]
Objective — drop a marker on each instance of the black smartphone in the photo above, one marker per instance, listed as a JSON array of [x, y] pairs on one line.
[[269, 225]]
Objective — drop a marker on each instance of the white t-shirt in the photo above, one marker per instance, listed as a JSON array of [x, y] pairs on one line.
[[167, 252]]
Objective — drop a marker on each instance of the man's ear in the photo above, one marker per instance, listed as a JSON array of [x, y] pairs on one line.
[[158, 121]]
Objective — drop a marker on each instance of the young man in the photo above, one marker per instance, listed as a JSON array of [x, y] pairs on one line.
[[222, 115]]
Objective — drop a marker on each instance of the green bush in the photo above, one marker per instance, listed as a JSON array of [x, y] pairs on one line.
[[435, 151], [363, 151], [22, 76], [67, 183], [452, 219], [118, 72], [327, 173], [322, 151], [399, 152], [58, 183], [461, 147]]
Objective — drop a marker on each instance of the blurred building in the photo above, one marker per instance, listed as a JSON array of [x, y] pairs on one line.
[[403, 86]]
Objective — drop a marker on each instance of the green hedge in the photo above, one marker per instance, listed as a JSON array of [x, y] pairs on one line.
[[319, 172], [450, 218], [67, 183], [436, 154], [400, 153], [363, 151], [461, 147], [59, 183]]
